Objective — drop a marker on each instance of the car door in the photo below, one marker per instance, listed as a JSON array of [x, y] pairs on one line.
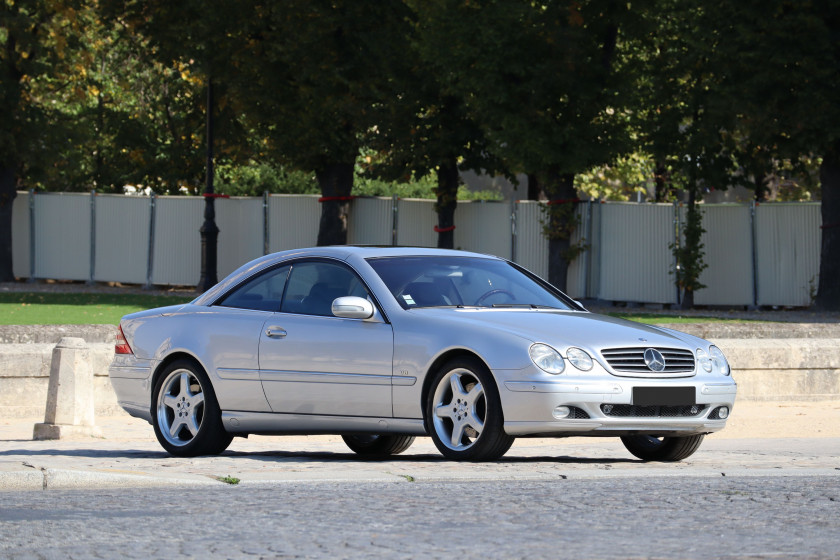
[[312, 362], [231, 331]]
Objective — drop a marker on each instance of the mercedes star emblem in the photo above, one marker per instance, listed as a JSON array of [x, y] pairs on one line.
[[654, 360]]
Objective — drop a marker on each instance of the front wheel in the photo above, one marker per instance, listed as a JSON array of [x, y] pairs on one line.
[[378, 445], [464, 413], [667, 449], [186, 414]]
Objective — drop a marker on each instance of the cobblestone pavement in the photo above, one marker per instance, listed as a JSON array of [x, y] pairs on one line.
[[685, 517]]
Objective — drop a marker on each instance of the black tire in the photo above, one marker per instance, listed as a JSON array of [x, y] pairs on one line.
[[666, 449], [473, 430], [378, 445], [185, 412]]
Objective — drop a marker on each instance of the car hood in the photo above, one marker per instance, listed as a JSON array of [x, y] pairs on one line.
[[562, 329]]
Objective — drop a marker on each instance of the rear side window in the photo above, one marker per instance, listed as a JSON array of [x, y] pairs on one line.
[[263, 293]]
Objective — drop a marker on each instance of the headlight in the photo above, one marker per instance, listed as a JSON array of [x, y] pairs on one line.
[[547, 358], [579, 358], [704, 360], [719, 361]]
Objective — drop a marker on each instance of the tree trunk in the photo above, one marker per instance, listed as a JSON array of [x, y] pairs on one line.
[[828, 292], [662, 185], [560, 189], [447, 201], [336, 182], [761, 187], [534, 187], [8, 192]]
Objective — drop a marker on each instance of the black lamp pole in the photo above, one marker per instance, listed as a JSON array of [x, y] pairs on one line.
[[209, 231]]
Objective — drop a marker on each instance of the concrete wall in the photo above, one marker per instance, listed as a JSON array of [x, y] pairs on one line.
[[25, 355], [779, 368]]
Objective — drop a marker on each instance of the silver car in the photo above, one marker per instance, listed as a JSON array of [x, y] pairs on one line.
[[381, 345]]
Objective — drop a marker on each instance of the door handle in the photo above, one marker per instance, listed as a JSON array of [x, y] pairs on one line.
[[275, 332]]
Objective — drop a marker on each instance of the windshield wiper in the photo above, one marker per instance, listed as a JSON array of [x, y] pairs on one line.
[[523, 306]]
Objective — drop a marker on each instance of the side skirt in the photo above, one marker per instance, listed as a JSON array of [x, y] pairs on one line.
[[267, 423]]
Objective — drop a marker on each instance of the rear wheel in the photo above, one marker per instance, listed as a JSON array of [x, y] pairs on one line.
[[668, 449], [464, 413], [378, 445], [186, 415]]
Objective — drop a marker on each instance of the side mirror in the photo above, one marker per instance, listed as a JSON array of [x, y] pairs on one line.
[[352, 307]]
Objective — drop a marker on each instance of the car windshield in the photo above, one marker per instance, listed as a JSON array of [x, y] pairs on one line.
[[464, 282]]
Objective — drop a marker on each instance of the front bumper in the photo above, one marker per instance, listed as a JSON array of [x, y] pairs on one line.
[[529, 401]]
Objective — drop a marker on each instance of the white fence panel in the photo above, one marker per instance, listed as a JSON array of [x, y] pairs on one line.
[[371, 221], [20, 235], [240, 222], [62, 236], [122, 238], [636, 261], [727, 247], [627, 254], [416, 222], [293, 221], [177, 246], [787, 252], [484, 227], [531, 250]]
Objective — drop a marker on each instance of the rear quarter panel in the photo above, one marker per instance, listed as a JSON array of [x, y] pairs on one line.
[[225, 342]]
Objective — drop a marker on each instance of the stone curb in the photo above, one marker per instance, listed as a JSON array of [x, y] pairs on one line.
[[64, 479]]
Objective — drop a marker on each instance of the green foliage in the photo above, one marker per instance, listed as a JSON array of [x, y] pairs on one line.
[[254, 178], [685, 95], [620, 180], [541, 80]]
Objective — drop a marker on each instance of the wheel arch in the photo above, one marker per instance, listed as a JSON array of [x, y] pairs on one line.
[[173, 357], [438, 363]]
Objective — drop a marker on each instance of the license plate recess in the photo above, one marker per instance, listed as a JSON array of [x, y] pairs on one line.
[[664, 396]]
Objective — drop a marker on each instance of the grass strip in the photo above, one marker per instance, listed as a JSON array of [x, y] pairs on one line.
[[54, 308], [656, 319]]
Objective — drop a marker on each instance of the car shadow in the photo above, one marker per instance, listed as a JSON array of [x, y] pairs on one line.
[[414, 458], [87, 453], [292, 456]]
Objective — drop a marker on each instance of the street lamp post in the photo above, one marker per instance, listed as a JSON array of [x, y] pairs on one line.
[[209, 231]]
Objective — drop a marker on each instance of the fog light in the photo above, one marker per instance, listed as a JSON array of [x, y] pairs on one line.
[[562, 412], [607, 408], [723, 413]]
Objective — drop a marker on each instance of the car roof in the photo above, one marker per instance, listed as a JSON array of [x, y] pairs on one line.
[[342, 252]]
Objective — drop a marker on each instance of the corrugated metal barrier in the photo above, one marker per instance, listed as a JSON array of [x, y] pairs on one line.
[[764, 254]]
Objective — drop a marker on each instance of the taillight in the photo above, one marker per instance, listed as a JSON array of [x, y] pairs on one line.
[[122, 347]]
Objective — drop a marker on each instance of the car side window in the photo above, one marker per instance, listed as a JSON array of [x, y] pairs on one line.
[[263, 293], [313, 286]]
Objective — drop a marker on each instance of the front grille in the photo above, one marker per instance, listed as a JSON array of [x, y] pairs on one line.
[[633, 411], [632, 360]]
